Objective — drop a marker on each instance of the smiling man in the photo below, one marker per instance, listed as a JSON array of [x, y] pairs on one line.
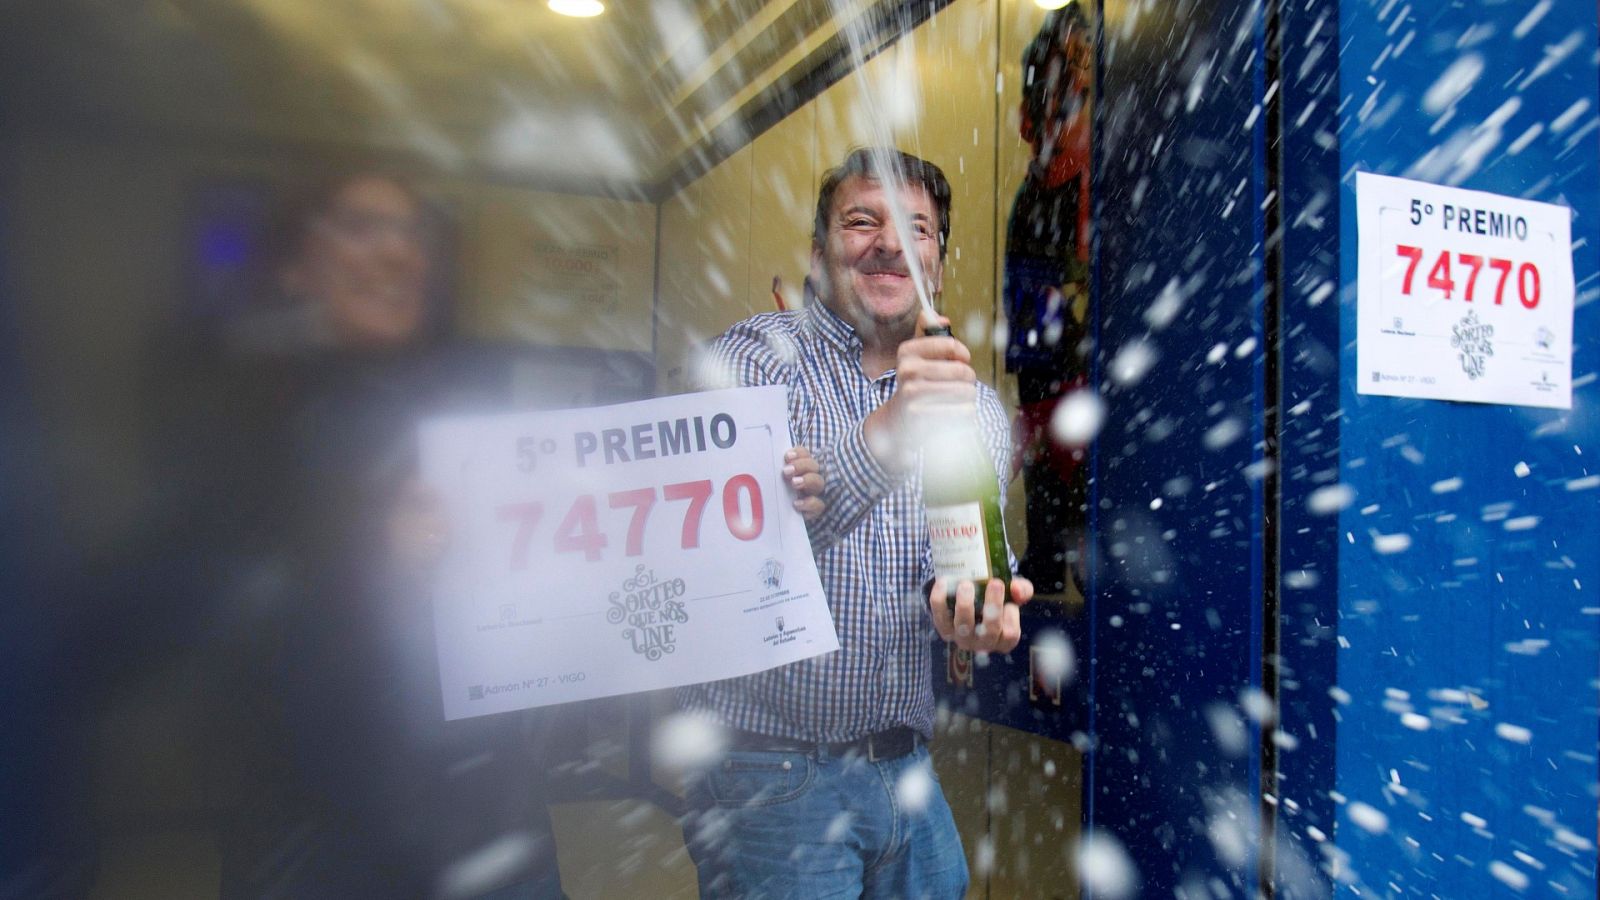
[[826, 788]]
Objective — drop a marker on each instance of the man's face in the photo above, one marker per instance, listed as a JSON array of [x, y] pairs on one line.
[[364, 263], [863, 270]]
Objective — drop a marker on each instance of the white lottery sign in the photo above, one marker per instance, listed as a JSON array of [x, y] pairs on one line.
[[617, 549], [1462, 295]]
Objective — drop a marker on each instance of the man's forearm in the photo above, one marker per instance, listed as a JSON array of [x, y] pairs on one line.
[[855, 480]]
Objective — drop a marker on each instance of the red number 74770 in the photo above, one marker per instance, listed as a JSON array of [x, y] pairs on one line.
[[1440, 278], [579, 531]]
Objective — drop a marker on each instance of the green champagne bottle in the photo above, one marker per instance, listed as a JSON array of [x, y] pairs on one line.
[[961, 500]]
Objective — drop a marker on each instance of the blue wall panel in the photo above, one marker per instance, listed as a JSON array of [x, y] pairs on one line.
[[1175, 614], [1307, 527], [1486, 636], [1437, 703]]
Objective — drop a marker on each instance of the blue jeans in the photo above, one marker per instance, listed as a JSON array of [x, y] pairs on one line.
[[811, 825]]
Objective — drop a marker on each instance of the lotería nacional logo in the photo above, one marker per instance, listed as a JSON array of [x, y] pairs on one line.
[[1474, 341], [650, 608], [782, 633], [771, 575]]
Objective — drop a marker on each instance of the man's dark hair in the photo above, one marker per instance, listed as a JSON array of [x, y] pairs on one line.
[[868, 162]]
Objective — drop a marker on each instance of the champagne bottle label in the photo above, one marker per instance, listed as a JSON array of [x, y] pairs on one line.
[[960, 544]]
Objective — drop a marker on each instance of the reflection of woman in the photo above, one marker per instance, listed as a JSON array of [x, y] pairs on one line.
[[384, 798], [1046, 282]]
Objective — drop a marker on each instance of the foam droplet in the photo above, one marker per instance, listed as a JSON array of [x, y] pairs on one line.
[[1053, 657], [914, 788], [1132, 362], [489, 866], [1107, 871], [1367, 817], [682, 742], [1223, 433], [1078, 418], [1391, 543], [1516, 734], [1454, 82], [1508, 875], [1330, 499]]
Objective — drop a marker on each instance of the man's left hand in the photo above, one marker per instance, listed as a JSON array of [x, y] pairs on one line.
[[806, 481], [1001, 627]]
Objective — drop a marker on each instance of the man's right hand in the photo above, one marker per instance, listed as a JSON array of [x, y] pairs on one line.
[[929, 372], [1001, 628]]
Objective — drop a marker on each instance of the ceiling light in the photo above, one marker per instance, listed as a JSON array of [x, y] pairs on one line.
[[1042, 4], [583, 9]]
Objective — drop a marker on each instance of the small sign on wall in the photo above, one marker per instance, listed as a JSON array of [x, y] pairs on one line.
[[582, 274], [561, 270], [1462, 295]]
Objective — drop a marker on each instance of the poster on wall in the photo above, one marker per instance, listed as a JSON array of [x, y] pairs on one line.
[[584, 274], [617, 549], [1462, 295], [561, 270]]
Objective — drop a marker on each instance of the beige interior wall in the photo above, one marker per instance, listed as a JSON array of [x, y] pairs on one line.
[[1015, 799], [704, 267], [782, 202], [1034, 815], [726, 236], [956, 51], [557, 269]]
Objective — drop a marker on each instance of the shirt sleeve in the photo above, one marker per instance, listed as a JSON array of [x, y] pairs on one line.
[[853, 482], [757, 352], [743, 356]]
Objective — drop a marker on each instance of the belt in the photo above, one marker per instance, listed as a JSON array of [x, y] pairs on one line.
[[891, 743]]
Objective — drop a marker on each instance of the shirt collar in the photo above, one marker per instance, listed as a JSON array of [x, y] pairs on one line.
[[836, 330]]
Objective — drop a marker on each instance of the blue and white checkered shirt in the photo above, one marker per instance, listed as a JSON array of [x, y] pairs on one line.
[[871, 543]]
